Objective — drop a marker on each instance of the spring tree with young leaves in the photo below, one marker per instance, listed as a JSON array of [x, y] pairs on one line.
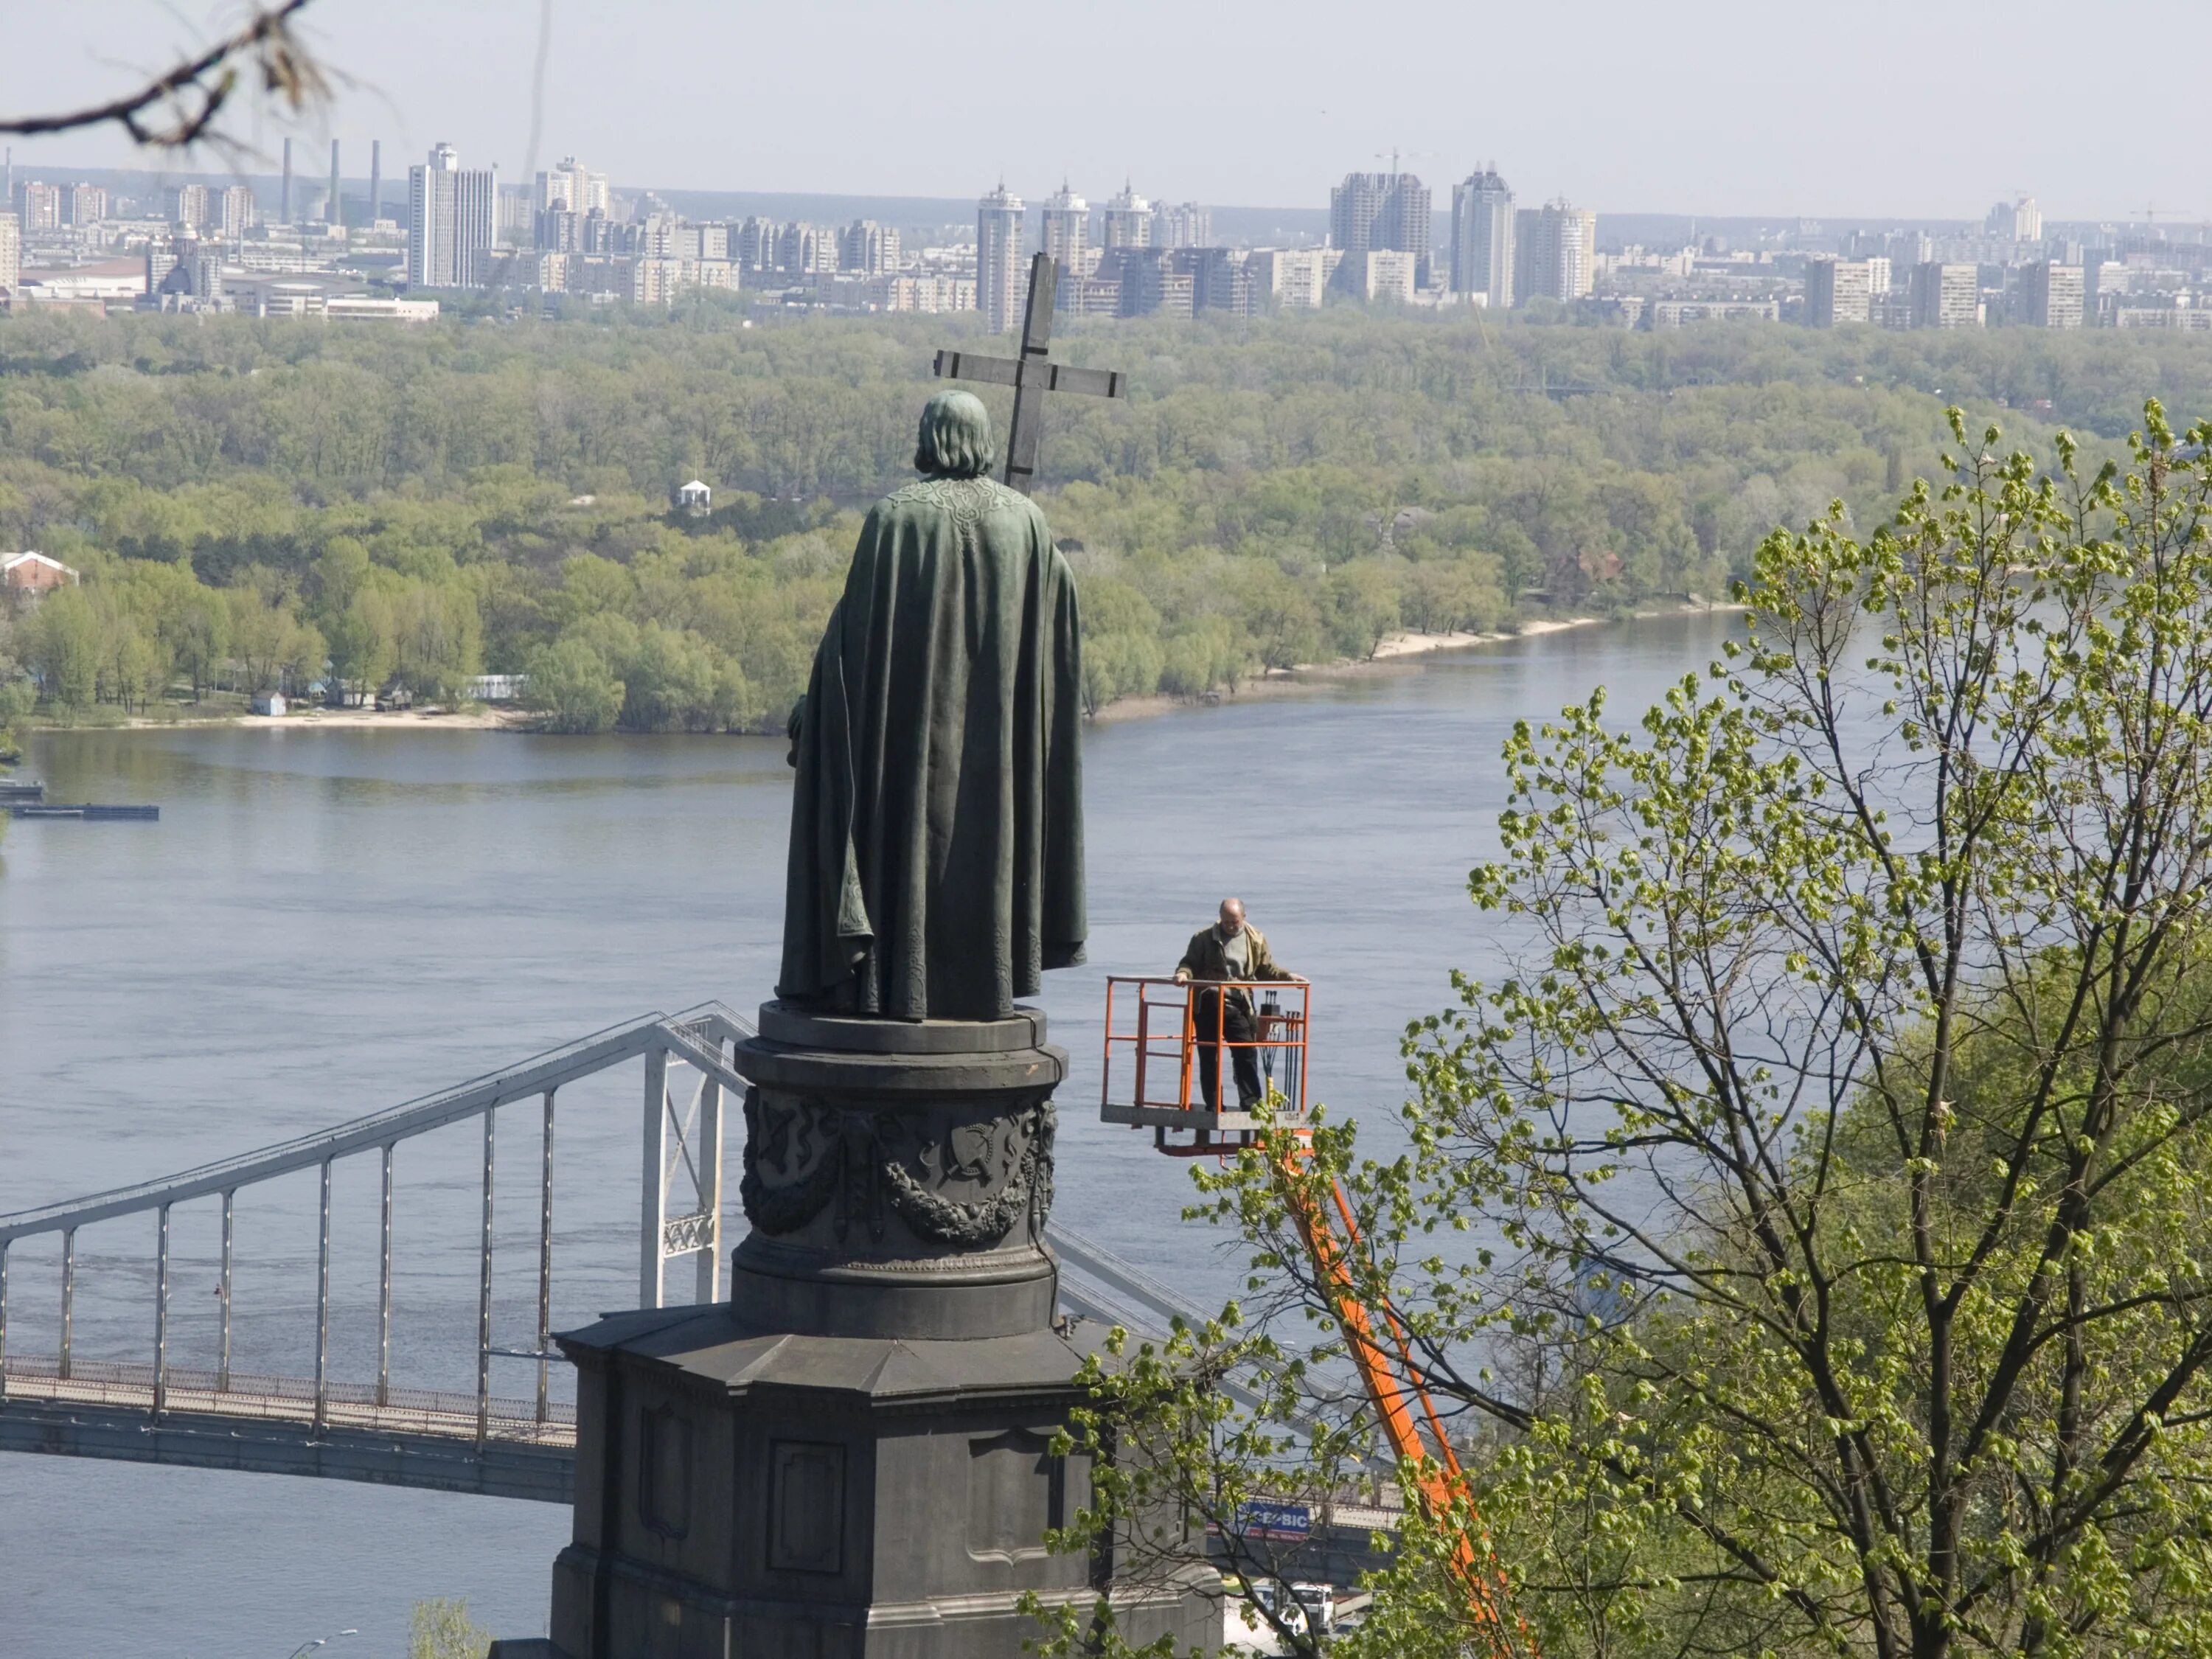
[[1806, 1232]]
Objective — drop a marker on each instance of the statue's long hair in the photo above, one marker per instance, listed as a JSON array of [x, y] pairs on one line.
[[956, 437]]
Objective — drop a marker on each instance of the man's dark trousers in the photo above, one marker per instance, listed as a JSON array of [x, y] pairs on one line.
[[1218, 1017]]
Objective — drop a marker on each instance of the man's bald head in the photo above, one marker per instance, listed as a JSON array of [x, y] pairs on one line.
[[1232, 917]]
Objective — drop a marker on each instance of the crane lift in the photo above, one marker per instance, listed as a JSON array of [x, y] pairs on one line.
[[1155, 1055]]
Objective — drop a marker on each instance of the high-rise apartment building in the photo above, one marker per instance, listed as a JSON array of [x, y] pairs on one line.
[[1156, 281], [2052, 294], [1353, 207], [11, 251], [1554, 253], [804, 249], [1224, 280], [1128, 220], [239, 212], [1067, 232], [1371, 211], [1296, 278], [1482, 237], [83, 205], [1388, 273], [869, 248], [451, 215], [1946, 296], [755, 248], [38, 206], [998, 289], [1838, 291], [1183, 224], [573, 186], [187, 204], [1404, 225], [2022, 219]]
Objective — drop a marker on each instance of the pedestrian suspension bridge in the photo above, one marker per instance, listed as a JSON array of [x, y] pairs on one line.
[[381, 1427]]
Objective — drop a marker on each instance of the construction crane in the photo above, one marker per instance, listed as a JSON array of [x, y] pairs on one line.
[[1154, 1052]]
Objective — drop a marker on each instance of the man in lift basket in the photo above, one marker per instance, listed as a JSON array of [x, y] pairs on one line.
[[1230, 951]]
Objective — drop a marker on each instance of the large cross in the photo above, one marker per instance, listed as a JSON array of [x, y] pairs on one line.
[[1031, 376]]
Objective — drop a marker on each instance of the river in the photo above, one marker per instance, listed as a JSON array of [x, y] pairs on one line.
[[324, 923]]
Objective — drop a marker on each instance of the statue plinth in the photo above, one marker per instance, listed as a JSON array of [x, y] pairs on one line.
[[852, 1458], [897, 1176]]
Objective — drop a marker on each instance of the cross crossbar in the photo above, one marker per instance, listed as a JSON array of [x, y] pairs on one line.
[[1008, 371]]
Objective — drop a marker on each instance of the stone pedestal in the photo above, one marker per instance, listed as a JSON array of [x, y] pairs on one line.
[[851, 1458]]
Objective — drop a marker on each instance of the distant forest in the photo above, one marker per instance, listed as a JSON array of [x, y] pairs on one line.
[[263, 503]]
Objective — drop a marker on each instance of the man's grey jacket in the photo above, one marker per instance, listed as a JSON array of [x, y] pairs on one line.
[[1207, 958]]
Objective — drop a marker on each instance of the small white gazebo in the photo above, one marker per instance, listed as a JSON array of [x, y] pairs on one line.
[[695, 497]]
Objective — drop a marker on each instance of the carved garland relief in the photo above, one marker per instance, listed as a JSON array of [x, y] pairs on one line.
[[802, 1156]]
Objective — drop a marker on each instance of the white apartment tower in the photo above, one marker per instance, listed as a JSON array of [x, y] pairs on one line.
[[2052, 294], [11, 251], [1482, 237], [571, 187], [999, 291], [239, 212], [1946, 296], [1838, 291], [451, 217], [1068, 231], [1127, 222]]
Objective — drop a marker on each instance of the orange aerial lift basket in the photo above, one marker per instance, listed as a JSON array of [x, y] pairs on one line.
[[1165, 1038], [1156, 1056]]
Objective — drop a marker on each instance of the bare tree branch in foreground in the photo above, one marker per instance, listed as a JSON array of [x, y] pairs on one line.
[[179, 107]]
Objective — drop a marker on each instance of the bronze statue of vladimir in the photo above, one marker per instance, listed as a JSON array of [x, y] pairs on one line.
[[937, 825]]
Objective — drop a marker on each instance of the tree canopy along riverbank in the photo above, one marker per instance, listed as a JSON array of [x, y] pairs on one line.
[[250, 501]]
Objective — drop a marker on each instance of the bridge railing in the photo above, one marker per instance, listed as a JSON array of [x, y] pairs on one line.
[[681, 1163]]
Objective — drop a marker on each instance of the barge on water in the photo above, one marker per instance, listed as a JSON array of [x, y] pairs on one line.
[[86, 809]]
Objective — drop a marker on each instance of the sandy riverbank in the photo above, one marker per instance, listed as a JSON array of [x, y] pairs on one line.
[[479, 717]]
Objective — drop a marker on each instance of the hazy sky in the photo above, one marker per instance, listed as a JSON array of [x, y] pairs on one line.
[[1906, 107]]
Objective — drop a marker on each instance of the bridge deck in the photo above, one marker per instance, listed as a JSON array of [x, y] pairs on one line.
[[268, 1424]]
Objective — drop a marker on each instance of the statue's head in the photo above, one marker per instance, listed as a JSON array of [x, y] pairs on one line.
[[956, 437]]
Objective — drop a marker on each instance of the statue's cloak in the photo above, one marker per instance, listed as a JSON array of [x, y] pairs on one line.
[[937, 825]]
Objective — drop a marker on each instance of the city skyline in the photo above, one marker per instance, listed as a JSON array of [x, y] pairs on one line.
[[1721, 152]]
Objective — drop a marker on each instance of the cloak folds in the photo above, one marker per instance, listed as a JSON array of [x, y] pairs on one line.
[[937, 824]]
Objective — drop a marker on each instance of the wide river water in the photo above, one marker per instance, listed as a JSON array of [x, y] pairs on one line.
[[324, 923]]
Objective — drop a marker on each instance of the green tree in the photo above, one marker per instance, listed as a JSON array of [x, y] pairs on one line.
[[669, 682], [200, 636], [263, 636], [572, 683], [441, 1629], [1117, 665], [1363, 607], [62, 646], [1834, 1153], [364, 642], [437, 638], [1279, 618]]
